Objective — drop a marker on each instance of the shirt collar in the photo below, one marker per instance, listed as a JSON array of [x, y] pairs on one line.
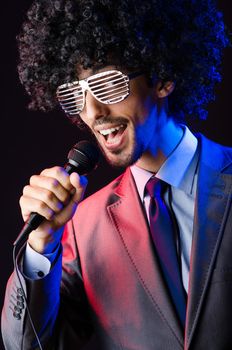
[[179, 168]]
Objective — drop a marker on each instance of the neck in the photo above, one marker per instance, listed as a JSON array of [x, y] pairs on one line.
[[167, 136]]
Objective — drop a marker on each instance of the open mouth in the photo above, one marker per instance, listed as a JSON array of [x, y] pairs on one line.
[[113, 135]]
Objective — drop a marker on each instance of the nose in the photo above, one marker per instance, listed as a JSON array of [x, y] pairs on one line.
[[93, 109]]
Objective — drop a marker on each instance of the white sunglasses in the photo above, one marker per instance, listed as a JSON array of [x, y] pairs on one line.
[[107, 87]]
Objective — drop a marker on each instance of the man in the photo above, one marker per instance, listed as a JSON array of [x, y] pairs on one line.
[[149, 267]]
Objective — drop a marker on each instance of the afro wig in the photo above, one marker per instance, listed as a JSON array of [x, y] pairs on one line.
[[174, 40]]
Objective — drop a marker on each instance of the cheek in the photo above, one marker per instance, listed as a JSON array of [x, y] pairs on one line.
[[146, 115], [86, 121], [83, 118], [146, 125], [141, 107]]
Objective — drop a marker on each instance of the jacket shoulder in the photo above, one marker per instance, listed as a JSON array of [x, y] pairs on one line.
[[214, 154]]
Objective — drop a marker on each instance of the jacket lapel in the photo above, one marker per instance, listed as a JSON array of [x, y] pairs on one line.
[[129, 220], [213, 196]]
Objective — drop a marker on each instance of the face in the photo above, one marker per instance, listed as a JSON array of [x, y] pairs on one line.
[[126, 130]]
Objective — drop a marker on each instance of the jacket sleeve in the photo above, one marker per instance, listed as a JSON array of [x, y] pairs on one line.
[[57, 304]]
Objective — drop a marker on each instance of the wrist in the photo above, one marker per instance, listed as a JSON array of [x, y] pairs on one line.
[[43, 246]]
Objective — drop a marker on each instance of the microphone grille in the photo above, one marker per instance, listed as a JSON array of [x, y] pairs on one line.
[[86, 155]]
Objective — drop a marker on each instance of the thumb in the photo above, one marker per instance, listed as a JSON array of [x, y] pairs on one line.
[[79, 183]]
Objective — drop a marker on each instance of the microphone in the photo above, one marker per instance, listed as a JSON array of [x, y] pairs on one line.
[[82, 158]]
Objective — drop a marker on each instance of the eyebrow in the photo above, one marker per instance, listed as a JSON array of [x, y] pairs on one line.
[[99, 66], [96, 68]]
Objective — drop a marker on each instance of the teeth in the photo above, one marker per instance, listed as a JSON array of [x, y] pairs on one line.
[[109, 131]]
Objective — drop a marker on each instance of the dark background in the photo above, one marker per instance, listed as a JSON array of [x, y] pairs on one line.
[[32, 141]]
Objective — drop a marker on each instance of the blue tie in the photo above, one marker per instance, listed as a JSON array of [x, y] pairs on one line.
[[162, 230]]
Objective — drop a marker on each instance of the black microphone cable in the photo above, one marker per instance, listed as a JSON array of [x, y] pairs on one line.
[[82, 158]]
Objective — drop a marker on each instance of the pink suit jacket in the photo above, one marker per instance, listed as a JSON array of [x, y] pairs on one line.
[[112, 292]]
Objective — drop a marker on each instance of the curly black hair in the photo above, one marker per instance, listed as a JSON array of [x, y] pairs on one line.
[[175, 40]]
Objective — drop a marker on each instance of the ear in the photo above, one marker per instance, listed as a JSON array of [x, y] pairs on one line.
[[164, 89]]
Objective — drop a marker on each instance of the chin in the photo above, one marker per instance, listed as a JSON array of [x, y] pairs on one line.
[[124, 156], [121, 159]]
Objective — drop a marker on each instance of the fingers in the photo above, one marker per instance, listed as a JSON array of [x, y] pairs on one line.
[[29, 205], [56, 180], [54, 195], [73, 184], [45, 196], [51, 191]]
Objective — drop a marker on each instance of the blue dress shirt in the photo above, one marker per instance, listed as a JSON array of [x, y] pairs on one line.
[[180, 172]]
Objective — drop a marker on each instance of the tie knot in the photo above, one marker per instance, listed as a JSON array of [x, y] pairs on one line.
[[155, 187]]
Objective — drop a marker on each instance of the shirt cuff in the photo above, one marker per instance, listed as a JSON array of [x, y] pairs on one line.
[[36, 265]]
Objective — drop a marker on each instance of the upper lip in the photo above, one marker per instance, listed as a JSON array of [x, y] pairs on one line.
[[108, 126]]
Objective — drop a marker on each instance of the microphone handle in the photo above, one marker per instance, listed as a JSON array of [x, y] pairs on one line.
[[32, 223]]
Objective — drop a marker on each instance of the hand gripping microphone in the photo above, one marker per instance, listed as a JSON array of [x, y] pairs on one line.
[[82, 158]]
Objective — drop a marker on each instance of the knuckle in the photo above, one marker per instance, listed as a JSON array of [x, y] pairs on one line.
[[21, 201], [49, 215], [48, 196], [25, 189], [44, 210], [65, 197], [44, 172], [32, 179], [41, 206], [53, 183], [58, 170]]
